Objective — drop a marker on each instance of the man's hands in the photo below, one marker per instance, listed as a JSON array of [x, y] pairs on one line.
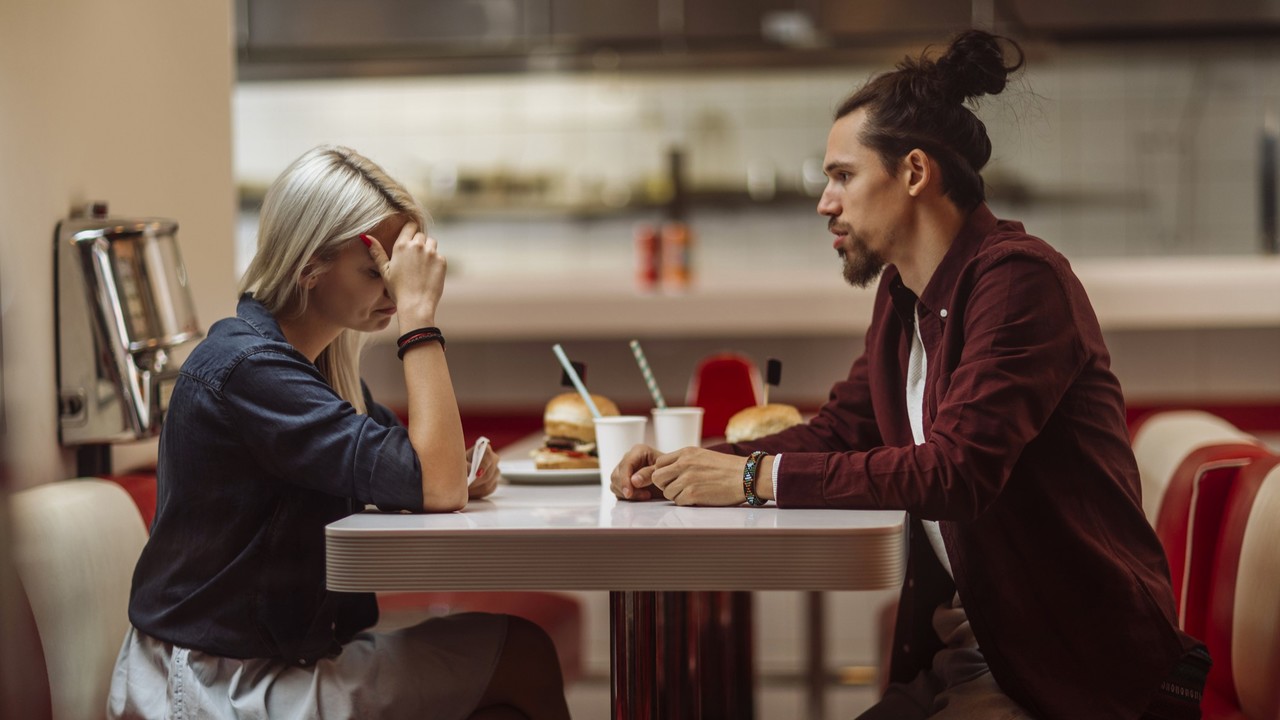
[[690, 476]]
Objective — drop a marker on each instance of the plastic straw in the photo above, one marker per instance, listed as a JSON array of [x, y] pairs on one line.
[[648, 375], [577, 381]]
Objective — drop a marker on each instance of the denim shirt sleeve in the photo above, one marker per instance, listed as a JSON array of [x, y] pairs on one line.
[[297, 427]]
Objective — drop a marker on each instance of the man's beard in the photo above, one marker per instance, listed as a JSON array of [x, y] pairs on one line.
[[862, 265]]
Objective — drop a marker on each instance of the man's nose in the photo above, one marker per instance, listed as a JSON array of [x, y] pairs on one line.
[[828, 204]]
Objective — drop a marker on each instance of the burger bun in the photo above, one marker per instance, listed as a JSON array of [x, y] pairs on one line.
[[567, 416], [760, 420]]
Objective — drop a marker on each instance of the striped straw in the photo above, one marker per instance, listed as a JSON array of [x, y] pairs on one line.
[[577, 381], [648, 375]]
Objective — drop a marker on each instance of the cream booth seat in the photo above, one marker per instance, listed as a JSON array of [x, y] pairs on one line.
[[75, 545]]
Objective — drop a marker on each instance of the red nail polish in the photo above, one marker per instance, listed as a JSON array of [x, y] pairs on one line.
[[368, 241]]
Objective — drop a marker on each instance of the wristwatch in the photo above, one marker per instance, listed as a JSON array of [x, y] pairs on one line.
[[749, 479]]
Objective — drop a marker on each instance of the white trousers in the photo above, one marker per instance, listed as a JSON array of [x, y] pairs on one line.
[[435, 669]]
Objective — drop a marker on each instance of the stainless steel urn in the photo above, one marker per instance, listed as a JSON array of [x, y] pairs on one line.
[[122, 305]]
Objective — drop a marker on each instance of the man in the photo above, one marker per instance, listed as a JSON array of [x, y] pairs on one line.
[[985, 407]]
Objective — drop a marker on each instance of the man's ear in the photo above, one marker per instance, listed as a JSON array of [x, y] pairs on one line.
[[917, 172]]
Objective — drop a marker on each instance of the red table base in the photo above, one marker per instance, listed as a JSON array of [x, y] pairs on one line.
[[681, 655]]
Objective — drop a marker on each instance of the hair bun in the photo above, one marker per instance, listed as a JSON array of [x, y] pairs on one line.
[[974, 66]]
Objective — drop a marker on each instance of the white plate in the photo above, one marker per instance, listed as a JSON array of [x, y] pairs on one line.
[[523, 472]]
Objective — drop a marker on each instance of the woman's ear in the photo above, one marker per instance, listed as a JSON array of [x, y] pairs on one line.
[[309, 277]]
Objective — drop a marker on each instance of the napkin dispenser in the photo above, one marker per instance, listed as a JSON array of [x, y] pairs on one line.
[[122, 305]]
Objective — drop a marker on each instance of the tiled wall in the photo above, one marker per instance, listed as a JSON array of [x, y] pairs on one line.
[[1115, 149]]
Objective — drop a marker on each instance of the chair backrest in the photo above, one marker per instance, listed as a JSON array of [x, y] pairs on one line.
[[1189, 522], [1243, 624], [75, 546], [1163, 440], [722, 384]]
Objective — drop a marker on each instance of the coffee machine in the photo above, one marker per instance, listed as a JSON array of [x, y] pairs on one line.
[[123, 306]]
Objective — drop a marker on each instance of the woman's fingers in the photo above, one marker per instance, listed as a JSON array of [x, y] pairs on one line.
[[375, 250]]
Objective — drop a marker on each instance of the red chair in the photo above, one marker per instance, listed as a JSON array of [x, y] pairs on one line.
[[723, 384], [1189, 461], [1162, 440], [1243, 622], [1190, 521]]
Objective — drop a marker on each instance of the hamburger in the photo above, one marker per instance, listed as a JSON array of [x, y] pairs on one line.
[[760, 420], [571, 433]]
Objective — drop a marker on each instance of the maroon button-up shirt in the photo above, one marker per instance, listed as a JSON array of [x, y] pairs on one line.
[[1026, 466]]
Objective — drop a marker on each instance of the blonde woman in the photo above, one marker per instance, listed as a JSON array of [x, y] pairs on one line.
[[271, 435]]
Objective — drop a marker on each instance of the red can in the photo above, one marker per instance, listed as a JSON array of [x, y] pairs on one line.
[[648, 257]]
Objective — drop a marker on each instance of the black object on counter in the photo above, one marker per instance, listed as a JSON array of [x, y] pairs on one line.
[[580, 368], [1267, 183]]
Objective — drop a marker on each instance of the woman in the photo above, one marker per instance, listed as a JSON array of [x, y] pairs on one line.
[[270, 435]]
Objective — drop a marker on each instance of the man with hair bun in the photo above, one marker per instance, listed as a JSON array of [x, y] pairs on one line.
[[984, 405]]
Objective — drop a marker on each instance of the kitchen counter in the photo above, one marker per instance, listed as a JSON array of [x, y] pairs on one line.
[[1128, 294]]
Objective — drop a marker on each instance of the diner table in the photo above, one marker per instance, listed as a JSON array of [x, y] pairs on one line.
[[670, 572]]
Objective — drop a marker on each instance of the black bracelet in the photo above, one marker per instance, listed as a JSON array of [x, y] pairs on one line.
[[403, 338], [418, 337]]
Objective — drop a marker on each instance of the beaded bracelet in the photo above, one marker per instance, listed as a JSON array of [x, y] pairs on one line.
[[415, 337], [749, 479]]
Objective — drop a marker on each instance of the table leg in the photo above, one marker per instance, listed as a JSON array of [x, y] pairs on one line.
[[816, 662], [725, 670], [679, 656], [678, 691], [633, 666]]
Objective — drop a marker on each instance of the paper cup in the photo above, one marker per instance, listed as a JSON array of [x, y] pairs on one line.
[[615, 435], [677, 427]]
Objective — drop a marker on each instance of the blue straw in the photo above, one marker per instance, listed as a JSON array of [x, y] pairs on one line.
[[577, 381]]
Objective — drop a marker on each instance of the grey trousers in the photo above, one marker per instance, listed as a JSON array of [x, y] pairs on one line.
[[958, 686]]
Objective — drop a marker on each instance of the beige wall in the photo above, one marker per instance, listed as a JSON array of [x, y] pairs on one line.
[[127, 101]]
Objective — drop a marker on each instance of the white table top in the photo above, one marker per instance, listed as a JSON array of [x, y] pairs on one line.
[[560, 537]]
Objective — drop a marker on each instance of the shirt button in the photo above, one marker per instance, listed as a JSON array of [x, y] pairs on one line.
[[942, 312], [906, 648], [911, 583], [302, 661]]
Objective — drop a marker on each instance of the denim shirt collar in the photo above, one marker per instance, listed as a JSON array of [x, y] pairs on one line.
[[259, 318]]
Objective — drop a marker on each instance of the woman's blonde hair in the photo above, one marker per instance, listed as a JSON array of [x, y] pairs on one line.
[[324, 199]]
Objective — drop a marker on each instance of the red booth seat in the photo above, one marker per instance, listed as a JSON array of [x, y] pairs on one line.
[[1190, 521], [1242, 626]]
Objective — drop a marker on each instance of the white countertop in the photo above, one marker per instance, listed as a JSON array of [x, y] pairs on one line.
[[577, 537], [1127, 293]]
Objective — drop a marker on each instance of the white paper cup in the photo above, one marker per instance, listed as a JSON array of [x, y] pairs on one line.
[[677, 427], [615, 435]]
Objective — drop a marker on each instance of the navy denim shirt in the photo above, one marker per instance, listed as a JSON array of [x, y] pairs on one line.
[[258, 454]]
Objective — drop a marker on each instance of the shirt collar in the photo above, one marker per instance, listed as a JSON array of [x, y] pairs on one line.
[[964, 247], [259, 318]]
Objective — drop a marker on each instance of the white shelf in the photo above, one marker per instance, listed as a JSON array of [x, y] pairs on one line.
[[1128, 294]]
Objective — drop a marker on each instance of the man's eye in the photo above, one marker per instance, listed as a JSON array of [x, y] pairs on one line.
[[374, 274]]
